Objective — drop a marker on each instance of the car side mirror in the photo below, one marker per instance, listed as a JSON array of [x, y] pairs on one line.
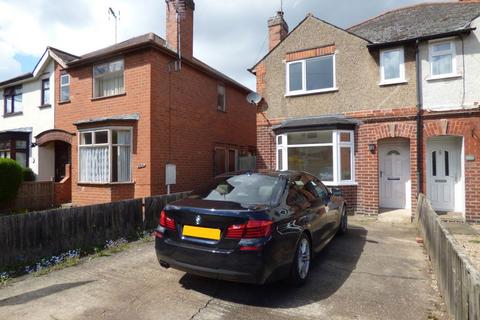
[[336, 192]]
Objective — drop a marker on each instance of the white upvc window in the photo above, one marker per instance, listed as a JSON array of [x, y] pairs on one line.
[[104, 155], [314, 75], [108, 79], [392, 66], [328, 155], [64, 87], [442, 56]]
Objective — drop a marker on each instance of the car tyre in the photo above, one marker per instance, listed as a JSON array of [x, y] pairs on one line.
[[343, 227], [301, 263]]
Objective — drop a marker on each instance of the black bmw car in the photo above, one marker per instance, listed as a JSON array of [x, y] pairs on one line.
[[251, 227]]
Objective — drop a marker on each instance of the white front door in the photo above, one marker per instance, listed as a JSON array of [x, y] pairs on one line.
[[443, 173], [394, 174]]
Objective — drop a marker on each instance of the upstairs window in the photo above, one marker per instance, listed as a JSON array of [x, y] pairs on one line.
[[221, 98], [392, 66], [64, 87], [13, 100], [108, 79], [311, 75], [45, 92], [442, 59]]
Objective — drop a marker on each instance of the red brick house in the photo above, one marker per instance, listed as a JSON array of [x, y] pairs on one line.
[[133, 108], [383, 110]]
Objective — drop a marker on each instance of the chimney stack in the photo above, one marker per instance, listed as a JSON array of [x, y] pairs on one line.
[[180, 32], [277, 30]]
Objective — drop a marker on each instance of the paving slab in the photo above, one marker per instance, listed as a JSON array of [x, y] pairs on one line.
[[375, 271]]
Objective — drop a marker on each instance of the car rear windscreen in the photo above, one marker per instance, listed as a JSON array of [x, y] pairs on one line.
[[250, 189]]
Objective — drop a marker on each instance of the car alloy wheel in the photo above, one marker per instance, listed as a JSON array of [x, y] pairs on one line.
[[303, 257], [343, 222]]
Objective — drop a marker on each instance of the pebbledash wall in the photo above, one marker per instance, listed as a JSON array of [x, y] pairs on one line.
[[178, 123]]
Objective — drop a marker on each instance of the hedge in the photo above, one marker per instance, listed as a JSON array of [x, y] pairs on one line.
[[11, 176]]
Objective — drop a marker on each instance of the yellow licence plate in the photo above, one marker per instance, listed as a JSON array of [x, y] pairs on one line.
[[200, 232]]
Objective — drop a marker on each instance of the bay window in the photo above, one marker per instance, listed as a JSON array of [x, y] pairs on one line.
[[105, 155], [311, 75], [108, 79], [329, 154], [442, 59], [15, 146]]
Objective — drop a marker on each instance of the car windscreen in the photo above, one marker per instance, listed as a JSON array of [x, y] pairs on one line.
[[247, 189]]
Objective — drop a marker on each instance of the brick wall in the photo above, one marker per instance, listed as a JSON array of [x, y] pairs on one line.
[[378, 126], [197, 127], [179, 123]]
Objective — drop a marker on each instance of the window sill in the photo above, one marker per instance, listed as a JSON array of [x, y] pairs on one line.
[[45, 106], [444, 77], [108, 97], [340, 184], [392, 83], [104, 184], [64, 102], [306, 93], [13, 114]]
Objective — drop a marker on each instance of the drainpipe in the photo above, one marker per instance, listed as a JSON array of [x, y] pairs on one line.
[[418, 69]]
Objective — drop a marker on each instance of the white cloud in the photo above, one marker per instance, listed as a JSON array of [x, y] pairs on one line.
[[9, 67]]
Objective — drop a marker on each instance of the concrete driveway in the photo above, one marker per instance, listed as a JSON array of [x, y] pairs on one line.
[[377, 271]]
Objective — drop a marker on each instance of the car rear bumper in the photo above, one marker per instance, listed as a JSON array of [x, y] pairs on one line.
[[237, 266]]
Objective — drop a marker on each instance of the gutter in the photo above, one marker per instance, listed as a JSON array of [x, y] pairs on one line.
[[418, 69]]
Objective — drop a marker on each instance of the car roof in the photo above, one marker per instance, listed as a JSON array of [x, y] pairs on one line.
[[289, 174]]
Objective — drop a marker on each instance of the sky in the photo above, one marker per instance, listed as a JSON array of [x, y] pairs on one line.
[[230, 35]]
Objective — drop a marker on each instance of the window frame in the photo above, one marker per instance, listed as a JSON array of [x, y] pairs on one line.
[[64, 85], [336, 145], [12, 93], [224, 107], [94, 78], [110, 145], [401, 78], [12, 150], [42, 101], [452, 51], [304, 90]]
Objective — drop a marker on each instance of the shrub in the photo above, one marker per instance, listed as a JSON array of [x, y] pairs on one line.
[[28, 174], [11, 176]]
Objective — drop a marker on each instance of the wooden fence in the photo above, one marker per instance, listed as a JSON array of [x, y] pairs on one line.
[[26, 238], [458, 280], [154, 205]]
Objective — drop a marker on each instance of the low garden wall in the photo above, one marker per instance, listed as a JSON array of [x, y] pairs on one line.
[[458, 280], [28, 237]]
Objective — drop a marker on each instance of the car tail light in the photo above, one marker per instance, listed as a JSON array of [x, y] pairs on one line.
[[166, 221], [236, 231], [252, 229]]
